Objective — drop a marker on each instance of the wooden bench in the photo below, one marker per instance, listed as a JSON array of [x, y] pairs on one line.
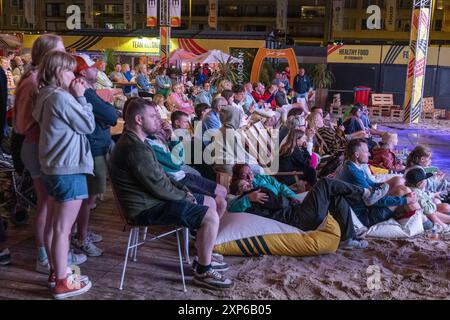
[[428, 110], [381, 104]]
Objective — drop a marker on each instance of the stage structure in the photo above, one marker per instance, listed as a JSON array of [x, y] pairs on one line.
[[415, 80]]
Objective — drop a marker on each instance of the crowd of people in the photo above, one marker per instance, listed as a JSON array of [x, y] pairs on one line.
[[177, 138]]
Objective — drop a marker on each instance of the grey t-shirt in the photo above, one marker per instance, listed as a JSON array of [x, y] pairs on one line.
[[114, 76]]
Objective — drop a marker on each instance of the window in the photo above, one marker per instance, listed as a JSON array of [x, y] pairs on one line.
[[55, 25], [113, 9], [139, 25], [405, 4], [114, 25], [250, 11], [139, 7], [438, 25], [293, 11], [349, 24], [379, 3], [255, 28], [228, 11], [267, 11], [312, 12], [351, 4], [199, 10], [55, 9]]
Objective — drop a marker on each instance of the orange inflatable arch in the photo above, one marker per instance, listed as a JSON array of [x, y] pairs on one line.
[[263, 53]]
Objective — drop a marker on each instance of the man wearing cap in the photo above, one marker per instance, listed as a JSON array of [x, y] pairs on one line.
[[100, 141]]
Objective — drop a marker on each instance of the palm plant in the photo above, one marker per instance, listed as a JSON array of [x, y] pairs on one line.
[[226, 71], [322, 79]]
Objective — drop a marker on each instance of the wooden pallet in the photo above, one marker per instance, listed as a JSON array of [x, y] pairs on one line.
[[428, 110], [385, 101]]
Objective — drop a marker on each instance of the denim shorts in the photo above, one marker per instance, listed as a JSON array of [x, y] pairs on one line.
[[30, 158], [66, 187]]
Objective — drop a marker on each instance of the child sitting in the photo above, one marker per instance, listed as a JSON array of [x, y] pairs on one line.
[[420, 157], [384, 156], [416, 180]]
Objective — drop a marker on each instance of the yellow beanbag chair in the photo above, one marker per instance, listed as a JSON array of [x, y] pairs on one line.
[[245, 234]]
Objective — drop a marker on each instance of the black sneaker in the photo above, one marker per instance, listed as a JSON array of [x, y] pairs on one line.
[[5, 257], [215, 264], [212, 279]]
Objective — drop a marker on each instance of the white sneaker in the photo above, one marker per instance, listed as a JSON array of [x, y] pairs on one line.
[[42, 266], [216, 265], [212, 279], [76, 259], [94, 237], [87, 247]]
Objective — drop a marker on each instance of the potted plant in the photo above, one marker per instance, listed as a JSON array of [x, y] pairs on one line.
[[321, 79]]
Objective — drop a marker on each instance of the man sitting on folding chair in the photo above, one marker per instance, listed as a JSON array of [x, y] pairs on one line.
[[149, 197]]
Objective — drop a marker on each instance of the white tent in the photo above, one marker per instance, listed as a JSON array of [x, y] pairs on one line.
[[214, 56]]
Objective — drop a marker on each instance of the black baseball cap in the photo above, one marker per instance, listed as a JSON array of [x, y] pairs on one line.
[[414, 176]]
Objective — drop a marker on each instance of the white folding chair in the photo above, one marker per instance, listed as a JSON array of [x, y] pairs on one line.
[[134, 242]]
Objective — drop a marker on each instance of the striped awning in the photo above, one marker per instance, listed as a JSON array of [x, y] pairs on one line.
[[84, 43], [9, 41]]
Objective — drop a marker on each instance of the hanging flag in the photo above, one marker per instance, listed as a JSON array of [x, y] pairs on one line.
[[29, 8], [282, 6], [212, 17], [89, 13], [175, 13], [391, 14], [152, 20], [128, 13], [446, 19], [338, 15]]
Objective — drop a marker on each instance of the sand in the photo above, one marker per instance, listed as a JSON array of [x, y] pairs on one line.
[[416, 268]]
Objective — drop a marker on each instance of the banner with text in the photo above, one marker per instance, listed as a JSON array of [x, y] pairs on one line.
[[128, 13], [338, 15], [175, 13], [282, 7], [212, 15], [353, 54], [30, 12], [391, 14], [152, 20]]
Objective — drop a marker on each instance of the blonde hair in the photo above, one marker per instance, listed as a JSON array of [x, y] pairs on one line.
[[224, 85], [387, 137], [158, 98], [53, 64], [42, 45], [141, 67], [313, 120]]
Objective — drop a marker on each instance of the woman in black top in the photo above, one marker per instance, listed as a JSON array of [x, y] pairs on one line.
[[295, 157]]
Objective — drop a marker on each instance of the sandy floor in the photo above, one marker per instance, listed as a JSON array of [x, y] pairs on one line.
[[408, 269]]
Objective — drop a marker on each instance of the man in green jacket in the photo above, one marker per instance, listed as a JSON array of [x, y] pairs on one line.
[[149, 197]]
